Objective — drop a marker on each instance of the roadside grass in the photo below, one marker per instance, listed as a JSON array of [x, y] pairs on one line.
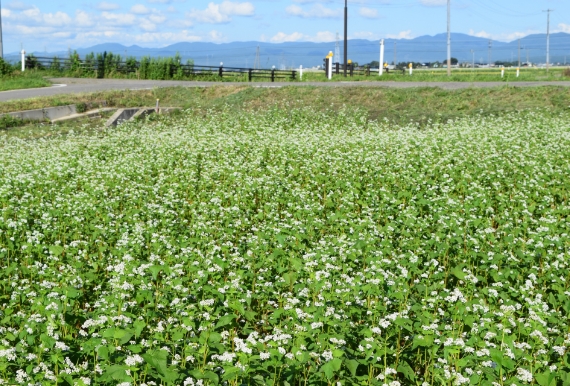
[[457, 75], [419, 105], [24, 80]]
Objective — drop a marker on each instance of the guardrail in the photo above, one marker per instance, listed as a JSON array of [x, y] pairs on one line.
[[170, 70]]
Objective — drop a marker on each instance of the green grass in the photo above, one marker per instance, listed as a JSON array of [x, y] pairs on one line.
[[457, 75], [419, 105], [22, 81]]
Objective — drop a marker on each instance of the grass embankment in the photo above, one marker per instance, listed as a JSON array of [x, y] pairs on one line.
[[457, 75], [398, 105], [21, 81]]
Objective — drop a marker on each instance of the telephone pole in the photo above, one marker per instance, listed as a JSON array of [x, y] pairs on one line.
[[395, 52], [519, 52], [548, 37], [489, 53], [345, 37], [1, 45], [448, 37], [256, 64]]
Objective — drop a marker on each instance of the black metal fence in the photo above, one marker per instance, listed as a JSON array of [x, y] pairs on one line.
[[158, 69]]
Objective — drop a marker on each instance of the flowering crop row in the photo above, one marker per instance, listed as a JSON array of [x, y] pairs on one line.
[[288, 248]]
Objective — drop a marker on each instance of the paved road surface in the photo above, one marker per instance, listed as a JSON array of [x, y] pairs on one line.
[[74, 86]]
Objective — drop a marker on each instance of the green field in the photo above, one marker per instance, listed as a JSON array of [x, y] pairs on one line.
[[457, 75], [27, 80], [289, 245]]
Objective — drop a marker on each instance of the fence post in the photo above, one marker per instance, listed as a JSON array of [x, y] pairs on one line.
[[273, 74], [221, 70], [23, 60], [411, 68], [518, 72], [351, 69], [301, 72], [249, 74], [337, 68], [502, 72], [293, 75]]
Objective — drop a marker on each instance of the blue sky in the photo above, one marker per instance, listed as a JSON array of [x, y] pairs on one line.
[[58, 24]]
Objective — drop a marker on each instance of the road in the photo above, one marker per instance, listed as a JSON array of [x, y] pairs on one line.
[[81, 85]]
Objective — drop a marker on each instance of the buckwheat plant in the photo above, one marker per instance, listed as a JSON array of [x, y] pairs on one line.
[[288, 247]]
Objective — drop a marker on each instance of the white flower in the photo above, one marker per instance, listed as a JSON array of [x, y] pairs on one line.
[[134, 360], [524, 375], [264, 355]]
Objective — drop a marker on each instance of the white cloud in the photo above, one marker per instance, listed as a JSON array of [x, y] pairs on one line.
[[105, 6], [364, 35], [433, 3], [83, 19], [368, 13], [402, 35], [140, 9], [5, 13], [324, 36], [61, 35], [282, 37], [317, 11], [160, 1], [119, 19], [563, 28], [166, 37], [503, 37], [222, 13], [17, 5]]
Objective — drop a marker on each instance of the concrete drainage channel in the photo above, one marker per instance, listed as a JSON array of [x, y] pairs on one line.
[[68, 113]]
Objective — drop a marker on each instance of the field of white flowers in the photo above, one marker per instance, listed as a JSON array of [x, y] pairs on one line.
[[288, 248]]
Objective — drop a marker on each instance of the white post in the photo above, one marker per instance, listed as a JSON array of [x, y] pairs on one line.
[[301, 72], [381, 69], [502, 72], [411, 68], [518, 71], [23, 60], [330, 59]]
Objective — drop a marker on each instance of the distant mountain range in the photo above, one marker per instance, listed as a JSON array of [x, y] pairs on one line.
[[285, 55]]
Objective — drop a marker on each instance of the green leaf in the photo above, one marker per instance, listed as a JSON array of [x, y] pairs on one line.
[[331, 367], [139, 325], [545, 379], [352, 366], [157, 360], [406, 369], [116, 373], [225, 320], [56, 250], [213, 377]]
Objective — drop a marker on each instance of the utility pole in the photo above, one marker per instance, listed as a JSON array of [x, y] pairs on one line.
[[345, 36], [448, 37], [1, 45], [257, 64], [519, 52], [489, 53], [337, 49], [395, 52], [548, 37]]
